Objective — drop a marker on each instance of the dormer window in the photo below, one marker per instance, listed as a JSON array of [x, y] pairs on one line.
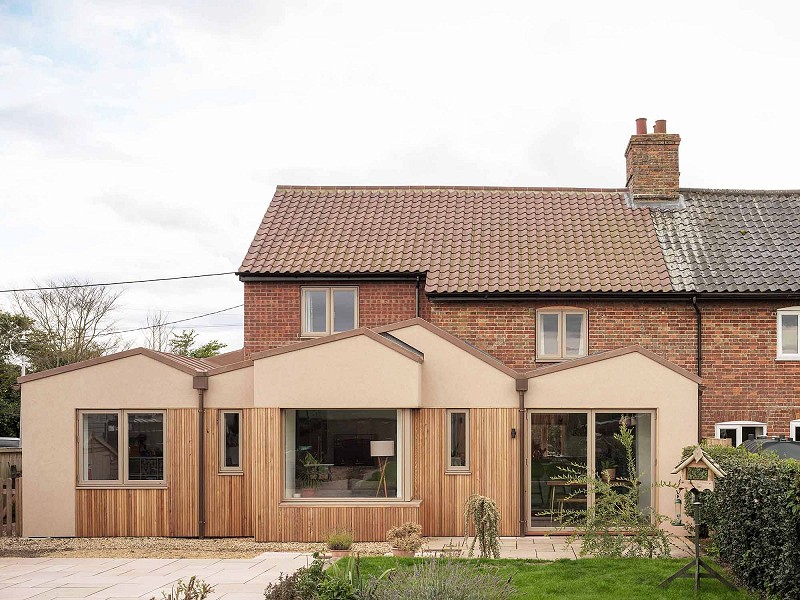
[[788, 338], [561, 333], [327, 310]]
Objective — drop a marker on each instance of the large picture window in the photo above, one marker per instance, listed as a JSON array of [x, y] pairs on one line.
[[131, 454], [343, 454], [329, 310]]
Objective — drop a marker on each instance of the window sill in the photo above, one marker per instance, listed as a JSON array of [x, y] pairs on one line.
[[342, 503], [119, 486], [788, 358], [239, 473], [458, 472], [558, 360]]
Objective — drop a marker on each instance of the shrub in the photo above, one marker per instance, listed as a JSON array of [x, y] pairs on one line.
[[195, 589], [339, 539], [485, 518], [614, 526], [754, 517], [442, 579], [407, 537], [300, 586]]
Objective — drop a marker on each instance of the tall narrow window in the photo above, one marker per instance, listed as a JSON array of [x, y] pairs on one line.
[[561, 334], [100, 447], [457, 440], [789, 333], [230, 441], [145, 446], [329, 310]]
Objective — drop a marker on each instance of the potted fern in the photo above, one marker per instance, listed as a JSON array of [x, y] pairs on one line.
[[339, 542], [405, 539]]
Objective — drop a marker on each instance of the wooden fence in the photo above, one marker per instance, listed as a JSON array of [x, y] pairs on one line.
[[10, 457], [11, 507]]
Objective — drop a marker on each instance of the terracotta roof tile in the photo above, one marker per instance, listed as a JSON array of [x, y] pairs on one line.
[[467, 240]]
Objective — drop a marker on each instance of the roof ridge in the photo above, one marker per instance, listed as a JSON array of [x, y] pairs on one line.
[[736, 191], [450, 187]]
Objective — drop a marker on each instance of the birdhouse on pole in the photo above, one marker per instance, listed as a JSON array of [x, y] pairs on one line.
[[699, 471]]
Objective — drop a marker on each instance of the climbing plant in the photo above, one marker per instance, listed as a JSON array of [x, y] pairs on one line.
[[481, 513]]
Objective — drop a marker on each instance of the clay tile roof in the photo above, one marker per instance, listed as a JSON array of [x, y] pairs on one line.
[[466, 240]]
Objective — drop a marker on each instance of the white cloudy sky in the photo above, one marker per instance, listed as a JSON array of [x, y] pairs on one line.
[[145, 139]]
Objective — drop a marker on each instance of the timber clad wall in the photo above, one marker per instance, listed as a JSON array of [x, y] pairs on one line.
[[494, 469]]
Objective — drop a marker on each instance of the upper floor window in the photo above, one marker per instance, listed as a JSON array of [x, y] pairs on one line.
[[561, 333], [788, 339], [329, 310]]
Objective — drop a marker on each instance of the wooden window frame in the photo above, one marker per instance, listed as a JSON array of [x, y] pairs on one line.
[[793, 311], [223, 469], [562, 355], [122, 480], [450, 468], [329, 309]]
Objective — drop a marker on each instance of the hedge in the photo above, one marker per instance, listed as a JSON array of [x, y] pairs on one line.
[[754, 519]]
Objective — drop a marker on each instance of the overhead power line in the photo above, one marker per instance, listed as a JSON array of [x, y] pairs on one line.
[[216, 312], [85, 285]]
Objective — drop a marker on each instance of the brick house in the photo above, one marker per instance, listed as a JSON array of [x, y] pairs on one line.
[[408, 346]]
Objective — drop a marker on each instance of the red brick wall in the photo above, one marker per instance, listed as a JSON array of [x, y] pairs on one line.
[[741, 377], [272, 310]]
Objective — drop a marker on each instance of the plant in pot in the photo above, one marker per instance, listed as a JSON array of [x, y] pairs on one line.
[[339, 542], [309, 476], [405, 539], [608, 470]]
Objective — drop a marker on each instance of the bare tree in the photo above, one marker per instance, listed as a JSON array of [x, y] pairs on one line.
[[158, 332], [71, 323]]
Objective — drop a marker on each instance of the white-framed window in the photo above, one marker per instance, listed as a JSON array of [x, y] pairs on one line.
[[458, 446], [230, 448], [327, 310], [789, 333], [561, 333], [122, 447], [345, 454], [794, 430], [739, 431]]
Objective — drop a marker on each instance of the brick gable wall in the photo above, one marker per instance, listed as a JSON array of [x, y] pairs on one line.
[[742, 380]]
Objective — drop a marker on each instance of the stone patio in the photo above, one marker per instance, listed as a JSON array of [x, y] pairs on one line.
[[143, 578]]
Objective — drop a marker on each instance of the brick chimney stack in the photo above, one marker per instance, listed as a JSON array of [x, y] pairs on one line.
[[652, 165]]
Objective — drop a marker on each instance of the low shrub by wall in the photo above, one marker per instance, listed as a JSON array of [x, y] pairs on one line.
[[754, 519]]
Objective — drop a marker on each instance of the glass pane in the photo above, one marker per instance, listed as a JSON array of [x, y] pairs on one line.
[[458, 439], [558, 440], [574, 334], [789, 334], [549, 334], [796, 433], [344, 310], [341, 453], [231, 430], [315, 315], [100, 447], [729, 434], [145, 446], [611, 461], [752, 432]]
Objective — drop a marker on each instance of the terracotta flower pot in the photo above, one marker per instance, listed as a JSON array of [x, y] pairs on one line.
[[402, 553], [337, 554], [308, 493], [609, 475]]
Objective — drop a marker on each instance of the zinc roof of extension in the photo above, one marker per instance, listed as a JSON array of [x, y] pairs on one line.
[[732, 241], [466, 240], [535, 240]]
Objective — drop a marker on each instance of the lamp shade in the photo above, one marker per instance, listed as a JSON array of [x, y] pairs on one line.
[[381, 448]]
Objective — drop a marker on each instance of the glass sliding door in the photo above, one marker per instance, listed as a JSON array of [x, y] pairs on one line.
[[577, 439], [557, 440]]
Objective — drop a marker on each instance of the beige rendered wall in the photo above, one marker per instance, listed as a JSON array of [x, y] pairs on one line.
[[454, 378], [232, 389], [49, 428], [354, 372], [629, 382]]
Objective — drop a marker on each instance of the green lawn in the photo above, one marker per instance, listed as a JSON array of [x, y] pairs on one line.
[[587, 578]]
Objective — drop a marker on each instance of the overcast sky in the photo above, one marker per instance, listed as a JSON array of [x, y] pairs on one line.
[[145, 139]]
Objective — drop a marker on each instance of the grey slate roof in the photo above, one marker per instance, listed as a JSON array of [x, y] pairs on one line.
[[732, 241]]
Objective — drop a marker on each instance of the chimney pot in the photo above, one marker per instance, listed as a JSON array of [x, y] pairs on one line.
[[641, 126], [661, 126]]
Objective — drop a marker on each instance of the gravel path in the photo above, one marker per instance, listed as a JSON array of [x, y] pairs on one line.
[[150, 547]]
